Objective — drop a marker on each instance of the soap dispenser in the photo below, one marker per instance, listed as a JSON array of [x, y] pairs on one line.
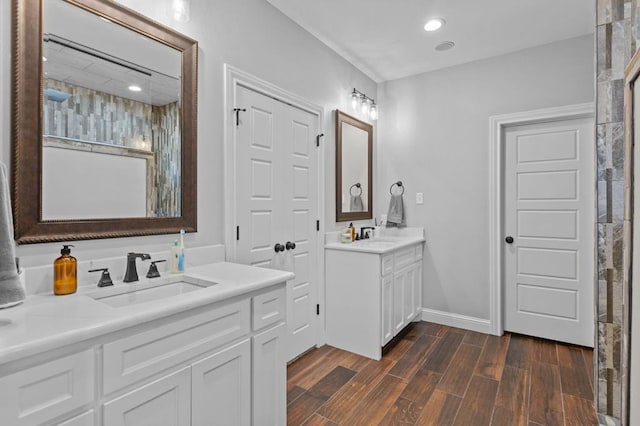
[[65, 272]]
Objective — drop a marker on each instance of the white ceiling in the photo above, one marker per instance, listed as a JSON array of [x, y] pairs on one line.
[[385, 38]]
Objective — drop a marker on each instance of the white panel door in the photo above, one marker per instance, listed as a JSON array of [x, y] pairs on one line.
[[387, 309], [277, 203], [549, 230]]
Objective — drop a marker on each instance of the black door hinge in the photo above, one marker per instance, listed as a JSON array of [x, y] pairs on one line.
[[237, 111], [317, 225], [318, 309], [318, 139], [237, 233]]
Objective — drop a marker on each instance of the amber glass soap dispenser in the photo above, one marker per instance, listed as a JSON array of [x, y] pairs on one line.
[[65, 277]]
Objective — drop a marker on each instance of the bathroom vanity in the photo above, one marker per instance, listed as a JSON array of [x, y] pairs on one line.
[[187, 349], [373, 289]]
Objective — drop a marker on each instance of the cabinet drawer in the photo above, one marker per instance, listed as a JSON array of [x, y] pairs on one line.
[[141, 355], [269, 308], [404, 257], [38, 394], [387, 264]]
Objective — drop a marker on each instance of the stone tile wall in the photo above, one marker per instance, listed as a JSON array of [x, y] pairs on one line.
[[616, 32]]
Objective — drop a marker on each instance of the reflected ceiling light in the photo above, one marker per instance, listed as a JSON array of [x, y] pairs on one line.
[[367, 105], [135, 88], [105, 19], [181, 10], [434, 24], [44, 59]]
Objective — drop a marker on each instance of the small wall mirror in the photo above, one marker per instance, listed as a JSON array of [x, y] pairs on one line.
[[104, 122], [354, 168]]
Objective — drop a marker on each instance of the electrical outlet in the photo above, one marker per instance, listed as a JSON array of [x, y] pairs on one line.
[[419, 198]]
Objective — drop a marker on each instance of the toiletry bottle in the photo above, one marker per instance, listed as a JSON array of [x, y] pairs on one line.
[[181, 252], [65, 272], [173, 258], [353, 231]]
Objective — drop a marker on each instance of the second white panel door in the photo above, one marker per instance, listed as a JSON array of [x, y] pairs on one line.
[[549, 230], [277, 203]]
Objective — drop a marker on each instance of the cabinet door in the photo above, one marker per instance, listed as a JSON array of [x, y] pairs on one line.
[[399, 291], [411, 294], [166, 401], [221, 387], [84, 419], [387, 309], [269, 377], [417, 282]]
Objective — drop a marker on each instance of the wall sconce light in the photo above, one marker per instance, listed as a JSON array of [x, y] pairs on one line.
[[181, 10], [367, 105]]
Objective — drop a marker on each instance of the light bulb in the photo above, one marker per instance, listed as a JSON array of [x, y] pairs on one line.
[[354, 99], [365, 105], [373, 113], [434, 24]]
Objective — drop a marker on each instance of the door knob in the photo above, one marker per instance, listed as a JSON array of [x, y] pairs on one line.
[[278, 248], [509, 240], [290, 245]]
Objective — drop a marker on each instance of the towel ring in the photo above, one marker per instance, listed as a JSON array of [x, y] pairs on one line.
[[399, 185], [357, 185]]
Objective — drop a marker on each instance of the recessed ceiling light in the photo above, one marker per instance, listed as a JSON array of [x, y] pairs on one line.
[[44, 59], [445, 45], [135, 88], [434, 24]]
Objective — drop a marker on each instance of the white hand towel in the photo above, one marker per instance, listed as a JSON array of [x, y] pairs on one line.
[[11, 291], [396, 215], [356, 204]]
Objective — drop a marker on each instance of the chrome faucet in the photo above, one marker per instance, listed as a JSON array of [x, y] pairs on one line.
[[132, 272]]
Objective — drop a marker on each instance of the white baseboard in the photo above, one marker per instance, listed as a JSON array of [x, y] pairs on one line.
[[456, 320]]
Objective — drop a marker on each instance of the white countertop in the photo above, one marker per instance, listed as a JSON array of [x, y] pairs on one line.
[[386, 241], [47, 322]]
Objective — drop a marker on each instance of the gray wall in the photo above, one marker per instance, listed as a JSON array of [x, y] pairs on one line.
[[434, 136], [250, 35]]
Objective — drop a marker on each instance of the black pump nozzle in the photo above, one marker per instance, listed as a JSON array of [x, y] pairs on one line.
[[66, 249]]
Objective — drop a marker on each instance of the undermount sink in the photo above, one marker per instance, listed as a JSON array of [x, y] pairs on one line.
[[133, 294]]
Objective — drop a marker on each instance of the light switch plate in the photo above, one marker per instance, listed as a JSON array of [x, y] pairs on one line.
[[419, 198]]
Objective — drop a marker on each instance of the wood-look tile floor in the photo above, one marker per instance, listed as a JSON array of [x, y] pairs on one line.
[[438, 375]]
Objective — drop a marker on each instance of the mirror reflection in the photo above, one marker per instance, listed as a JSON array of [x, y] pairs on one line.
[[355, 187], [111, 143], [354, 144]]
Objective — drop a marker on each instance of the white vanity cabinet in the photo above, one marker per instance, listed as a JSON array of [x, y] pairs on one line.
[[221, 363], [371, 296]]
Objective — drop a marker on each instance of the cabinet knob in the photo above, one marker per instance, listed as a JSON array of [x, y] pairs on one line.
[[509, 240], [290, 245], [278, 248]]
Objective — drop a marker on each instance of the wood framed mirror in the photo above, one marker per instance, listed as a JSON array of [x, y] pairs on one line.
[[103, 124], [354, 168]]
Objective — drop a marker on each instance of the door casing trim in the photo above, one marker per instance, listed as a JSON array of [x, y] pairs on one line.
[[497, 125], [233, 78]]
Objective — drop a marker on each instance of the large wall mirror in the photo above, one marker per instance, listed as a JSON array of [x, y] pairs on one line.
[[103, 123], [354, 168]]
